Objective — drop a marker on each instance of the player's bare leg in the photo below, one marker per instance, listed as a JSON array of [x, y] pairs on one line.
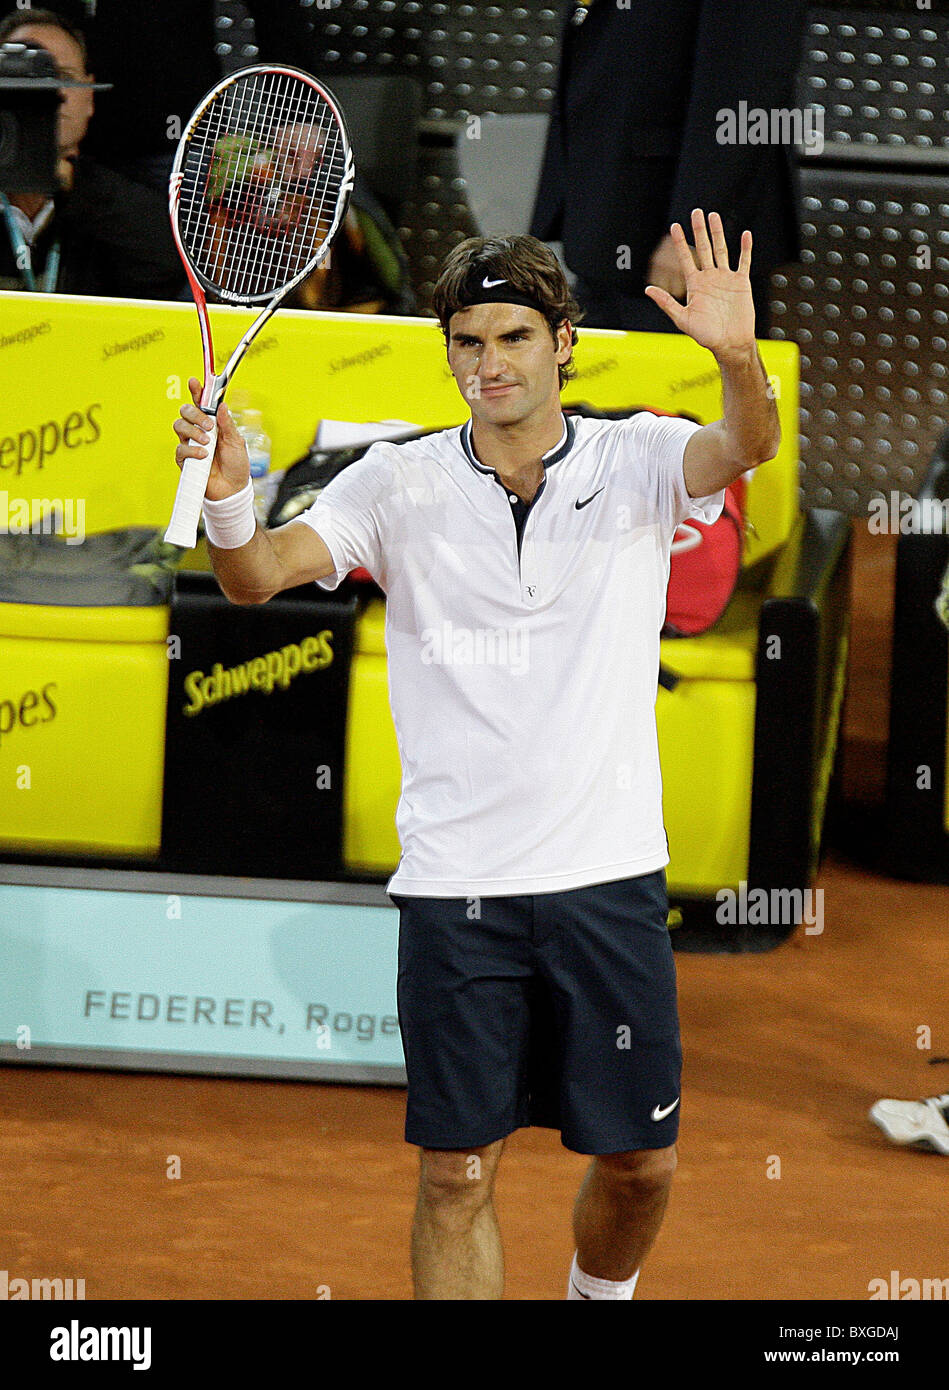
[[456, 1241], [619, 1210]]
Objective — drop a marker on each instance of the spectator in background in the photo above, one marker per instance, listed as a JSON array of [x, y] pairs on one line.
[[632, 146], [101, 233], [158, 80], [161, 58]]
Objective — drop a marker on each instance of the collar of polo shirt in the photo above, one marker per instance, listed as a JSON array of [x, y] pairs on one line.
[[551, 457]]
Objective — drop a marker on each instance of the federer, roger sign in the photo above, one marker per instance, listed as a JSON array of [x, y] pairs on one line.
[[326, 1022], [285, 985]]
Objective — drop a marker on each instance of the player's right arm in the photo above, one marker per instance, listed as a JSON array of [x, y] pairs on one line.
[[284, 558]]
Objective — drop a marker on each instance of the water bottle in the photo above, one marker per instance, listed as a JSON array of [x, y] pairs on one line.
[[258, 451]]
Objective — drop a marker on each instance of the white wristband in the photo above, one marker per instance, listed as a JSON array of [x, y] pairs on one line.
[[231, 522]]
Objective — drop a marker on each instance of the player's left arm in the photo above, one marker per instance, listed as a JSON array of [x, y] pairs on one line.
[[719, 314]]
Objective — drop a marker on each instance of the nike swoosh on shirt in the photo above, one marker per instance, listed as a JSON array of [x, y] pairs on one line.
[[579, 505], [490, 284], [660, 1114]]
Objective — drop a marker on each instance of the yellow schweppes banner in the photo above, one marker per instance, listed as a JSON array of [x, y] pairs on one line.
[[275, 668], [91, 388]]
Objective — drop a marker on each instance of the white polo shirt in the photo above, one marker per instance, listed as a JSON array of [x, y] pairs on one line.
[[522, 678]]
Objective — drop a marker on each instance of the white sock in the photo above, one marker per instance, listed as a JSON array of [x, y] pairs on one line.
[[581, 1285]]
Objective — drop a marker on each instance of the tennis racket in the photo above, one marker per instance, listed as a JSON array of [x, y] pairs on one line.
[[259, 188]]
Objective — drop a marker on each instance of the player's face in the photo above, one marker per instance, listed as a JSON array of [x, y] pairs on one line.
[[505, 360], [75, 110]]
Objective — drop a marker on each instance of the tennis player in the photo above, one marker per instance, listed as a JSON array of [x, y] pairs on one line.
[[525, 559]]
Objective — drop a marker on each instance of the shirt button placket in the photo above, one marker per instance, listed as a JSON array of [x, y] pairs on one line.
[[529, 577]]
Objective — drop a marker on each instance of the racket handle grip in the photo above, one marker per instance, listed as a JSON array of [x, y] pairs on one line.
[[186, 513]]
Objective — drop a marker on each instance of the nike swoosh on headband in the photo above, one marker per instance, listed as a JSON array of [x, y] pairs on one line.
[[490, 284]]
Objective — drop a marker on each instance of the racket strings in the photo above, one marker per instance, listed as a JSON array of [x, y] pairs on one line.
[[258, 255], [262, 177]]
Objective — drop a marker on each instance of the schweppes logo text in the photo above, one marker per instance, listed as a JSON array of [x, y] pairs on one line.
[[263, 673]]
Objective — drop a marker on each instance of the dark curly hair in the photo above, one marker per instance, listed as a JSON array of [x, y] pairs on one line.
[[528, 265]]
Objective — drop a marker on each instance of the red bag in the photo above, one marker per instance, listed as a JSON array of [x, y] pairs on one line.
[[704, 567]]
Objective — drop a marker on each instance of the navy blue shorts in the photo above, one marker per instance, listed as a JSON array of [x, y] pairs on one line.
[[551, 1009]]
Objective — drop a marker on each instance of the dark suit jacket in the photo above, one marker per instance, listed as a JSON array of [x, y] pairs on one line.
[[114, 240], [632, 141]]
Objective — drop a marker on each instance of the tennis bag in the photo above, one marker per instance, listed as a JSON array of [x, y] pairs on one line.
[[704, 564], [704, 567]]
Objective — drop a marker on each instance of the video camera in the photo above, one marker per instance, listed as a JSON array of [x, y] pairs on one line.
[[29, 101], [30, 89]]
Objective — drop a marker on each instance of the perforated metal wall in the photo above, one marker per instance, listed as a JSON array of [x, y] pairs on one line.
[[880, 80], [469, 58], [868, 312], [869, 307], [869, 302]]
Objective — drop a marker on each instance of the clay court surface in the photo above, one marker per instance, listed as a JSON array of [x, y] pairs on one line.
[[287, 1186], [784, 1188]]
